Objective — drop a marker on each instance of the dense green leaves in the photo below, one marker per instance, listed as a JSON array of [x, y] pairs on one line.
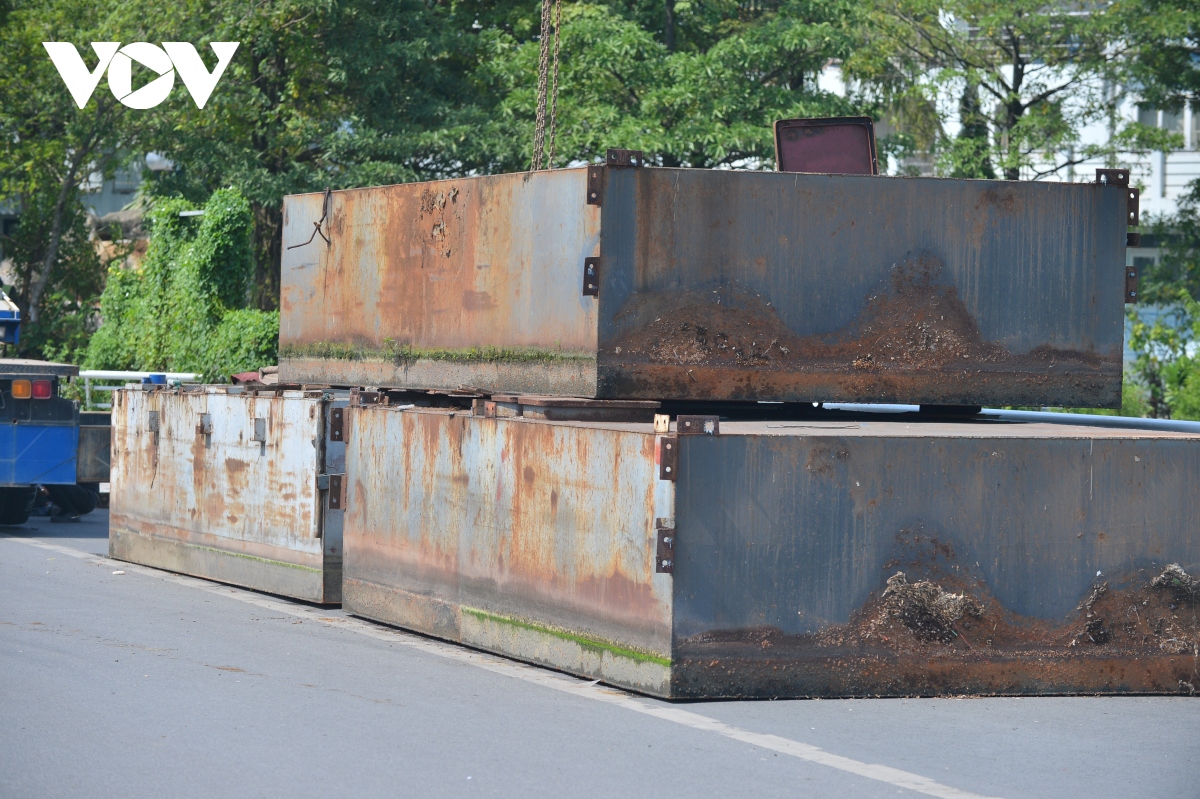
[[620, 86], [184, 309], [1042, 73], [346, 93]]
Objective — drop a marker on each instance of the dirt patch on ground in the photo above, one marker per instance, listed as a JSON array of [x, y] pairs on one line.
[[915, 322]]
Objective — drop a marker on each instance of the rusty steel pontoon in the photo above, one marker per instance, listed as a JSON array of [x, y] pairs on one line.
[[622, 281]]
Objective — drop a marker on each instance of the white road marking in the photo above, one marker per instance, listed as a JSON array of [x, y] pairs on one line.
[[537, 676]]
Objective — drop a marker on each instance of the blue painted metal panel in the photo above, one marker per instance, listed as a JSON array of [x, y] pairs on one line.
[[33, 453]]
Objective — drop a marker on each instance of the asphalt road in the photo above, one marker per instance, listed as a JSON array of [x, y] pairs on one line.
[[152, 684]]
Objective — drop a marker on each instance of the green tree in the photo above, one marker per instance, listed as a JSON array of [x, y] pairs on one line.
[[1165, 366], [1042, 72], [185, 308], [707, 101], [1165, 70], [320, 93], [48, 148]]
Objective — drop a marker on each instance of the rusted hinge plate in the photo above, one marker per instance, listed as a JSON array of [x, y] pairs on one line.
[[1113, 177], [664, 550], [337, 424], [337, 496], [667, 454], [595, 187], [612, 158], [698, 425], [1131, 284], [1132, 203], [591, 277]]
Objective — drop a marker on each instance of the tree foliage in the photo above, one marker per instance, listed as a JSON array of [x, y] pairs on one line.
[[1042, 72], [346, 93], [185, 308], [48, 148]]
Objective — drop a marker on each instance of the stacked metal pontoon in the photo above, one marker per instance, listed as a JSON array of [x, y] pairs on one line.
[[579, 430]]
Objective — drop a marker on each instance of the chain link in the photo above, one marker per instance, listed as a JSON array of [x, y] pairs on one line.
[[547, 85], [554, 88]]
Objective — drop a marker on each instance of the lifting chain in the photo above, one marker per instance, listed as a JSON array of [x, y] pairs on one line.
[[543, 157]]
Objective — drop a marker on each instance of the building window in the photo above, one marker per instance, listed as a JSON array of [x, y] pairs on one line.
[[1172, 121], [1147, 115]]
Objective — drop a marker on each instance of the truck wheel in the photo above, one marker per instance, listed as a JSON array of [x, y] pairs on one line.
[[15, 504], [74, 500]]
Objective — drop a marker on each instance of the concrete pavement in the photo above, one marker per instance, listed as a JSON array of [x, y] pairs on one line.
[[152, 684]]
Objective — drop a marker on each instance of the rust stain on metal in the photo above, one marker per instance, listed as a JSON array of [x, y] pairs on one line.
[[913, 338], [443, 265], [522, 519], [714, 286], [916, 324], [946, 634], [229, 491]]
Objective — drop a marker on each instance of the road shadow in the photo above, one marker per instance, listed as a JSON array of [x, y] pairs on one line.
[[89, 534], [93, 525]]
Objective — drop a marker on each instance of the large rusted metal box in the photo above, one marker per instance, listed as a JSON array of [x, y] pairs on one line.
[[812, 558], [656, 283], [230, 484]]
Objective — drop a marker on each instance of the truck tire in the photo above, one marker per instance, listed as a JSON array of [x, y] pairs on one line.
[[15, 504], [73, 500]]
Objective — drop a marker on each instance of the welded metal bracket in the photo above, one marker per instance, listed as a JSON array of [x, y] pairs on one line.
[[360, 397], [337, 492], [698, 425], [667, 455], [595, 184], [337, 424], [205, 429], [1133, 198], [619, 158], [615, 159], [591, 277], [664, 547]]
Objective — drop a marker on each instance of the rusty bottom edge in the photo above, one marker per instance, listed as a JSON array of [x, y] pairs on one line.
[[946, 636], [575, 378], [681, 382], [960, 387], [520, 639], [322, 586], [722, 672]]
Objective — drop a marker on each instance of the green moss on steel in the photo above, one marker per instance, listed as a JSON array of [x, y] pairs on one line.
[[592, 644], [402, 354], [255, 558]]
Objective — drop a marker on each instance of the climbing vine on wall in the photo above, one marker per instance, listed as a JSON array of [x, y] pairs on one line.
[[184, 309]]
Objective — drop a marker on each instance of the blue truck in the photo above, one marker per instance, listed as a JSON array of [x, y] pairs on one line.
[[49, 450]]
